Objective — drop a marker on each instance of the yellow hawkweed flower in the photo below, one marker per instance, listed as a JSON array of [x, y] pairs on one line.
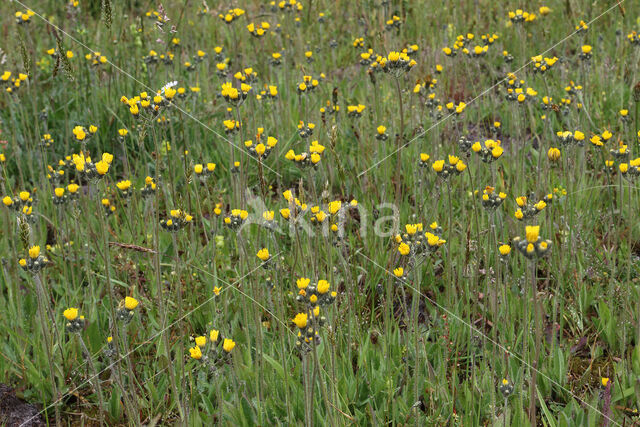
[[201, 341], [34, 252], [102, 167], [213, 335], [195, 353], [70, 314], [302, 282], [404, 249], [504, 250], [228, 345], [532, 232], [263, 254], [323, 286], [130, 303], [300, 320]]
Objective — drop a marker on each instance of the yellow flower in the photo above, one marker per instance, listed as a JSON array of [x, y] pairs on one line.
[[553, 154], [123, 185], [381, 130], [201, 341], [34, 252], [217, 290], [70, 314], [302, 282], [398, 272], [432, 239], [198, 169], [24, 195], [438, 165], [102, 167], [504, 250], [213, 335], [604, 381], [404, 249], [334, 206], [532, 232], [195, 353], [263, 254], [7, 201], [228, 345], [586, 49], [130, 303], [323, 286], [300, 320]]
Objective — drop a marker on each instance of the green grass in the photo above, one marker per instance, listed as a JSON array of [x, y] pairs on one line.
[[430, 348]]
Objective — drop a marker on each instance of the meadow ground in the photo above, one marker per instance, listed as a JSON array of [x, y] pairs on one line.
[[320, 212]]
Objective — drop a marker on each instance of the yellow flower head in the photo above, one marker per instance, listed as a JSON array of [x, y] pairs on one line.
[[438, 165], [34, 252], [404, 249], [323, 286], [532, 232], [303, 282], [213, 335], [504, 250], [201, 341], [300, 320], [195, 353], [228, 344], [102, 167], [130, 303], [263, 254], [70, 314]]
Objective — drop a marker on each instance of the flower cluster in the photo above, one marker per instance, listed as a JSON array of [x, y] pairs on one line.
[[310, 158], [204, 171], [527, 210], [396, 63], [75, 323], [490, 150], [259, 149], [35, 261], [231, 15], [630, 170], [149, 187], [12, 83], [177, 220], [212, 353], [309, 321], [19, 203], [542, 65], [490, 199], [236, 219], [90, 170], [519, 16], [454, 166], [126, 309], [414, 242], [532, 246]]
